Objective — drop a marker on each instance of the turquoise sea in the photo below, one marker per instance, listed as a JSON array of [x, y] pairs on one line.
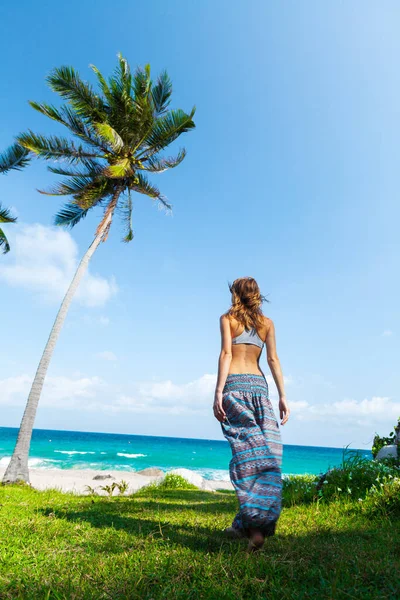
[[101, 451]]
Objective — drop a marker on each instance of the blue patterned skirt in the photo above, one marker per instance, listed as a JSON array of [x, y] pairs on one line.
[[252, 431]]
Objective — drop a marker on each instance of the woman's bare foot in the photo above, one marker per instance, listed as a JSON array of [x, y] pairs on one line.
[[256, 540]]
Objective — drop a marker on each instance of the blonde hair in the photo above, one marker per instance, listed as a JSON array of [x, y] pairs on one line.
[[246, 303]]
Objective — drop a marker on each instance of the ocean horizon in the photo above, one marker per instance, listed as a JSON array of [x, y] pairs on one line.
[[58, 449]]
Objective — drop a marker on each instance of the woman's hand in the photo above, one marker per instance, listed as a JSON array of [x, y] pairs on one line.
[[219, 412], [284, 410]]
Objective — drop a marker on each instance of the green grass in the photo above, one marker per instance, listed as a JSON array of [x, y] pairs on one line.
[[169, 544]]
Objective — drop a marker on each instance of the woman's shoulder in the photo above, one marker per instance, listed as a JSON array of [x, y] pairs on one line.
[[267, 323], [227, 317]]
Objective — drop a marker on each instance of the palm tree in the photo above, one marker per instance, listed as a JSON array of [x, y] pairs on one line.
[[15, 157], [119, 133]]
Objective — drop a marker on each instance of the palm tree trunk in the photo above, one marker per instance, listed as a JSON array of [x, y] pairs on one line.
[[17, 469]]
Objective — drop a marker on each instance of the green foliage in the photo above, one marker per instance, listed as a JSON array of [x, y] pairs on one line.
[[171, 481], [380, 442], [299, 489], [118, 132], [122, 486], [352, 480], [383, 498], [90, 490], [13, 158], [109, 488], [5, 217], [16, 157]]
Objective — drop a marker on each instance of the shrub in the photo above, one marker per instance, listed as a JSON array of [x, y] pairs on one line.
[[355, 477], [171, 481], [352, 480], [175, 482], [383, 499], [299, 489]]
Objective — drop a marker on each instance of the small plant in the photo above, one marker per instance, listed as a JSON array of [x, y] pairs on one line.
[[122, 486], [109, 488], [90, 490]]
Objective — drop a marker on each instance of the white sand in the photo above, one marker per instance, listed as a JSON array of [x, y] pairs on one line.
[[76, 480]]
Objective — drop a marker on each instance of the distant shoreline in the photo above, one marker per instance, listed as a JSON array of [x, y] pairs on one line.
[[77, 480]]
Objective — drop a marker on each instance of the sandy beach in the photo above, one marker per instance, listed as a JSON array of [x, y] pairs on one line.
[[77, 480]]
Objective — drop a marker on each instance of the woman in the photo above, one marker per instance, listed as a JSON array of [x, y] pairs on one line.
[[247, 418]]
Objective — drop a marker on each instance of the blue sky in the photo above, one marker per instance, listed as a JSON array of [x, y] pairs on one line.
[[292, 177]]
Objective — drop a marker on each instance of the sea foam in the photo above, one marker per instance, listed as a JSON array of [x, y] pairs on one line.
[[73, 452], [130, 455]]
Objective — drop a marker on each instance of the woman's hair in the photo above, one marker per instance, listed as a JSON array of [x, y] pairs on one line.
[[246, 303]]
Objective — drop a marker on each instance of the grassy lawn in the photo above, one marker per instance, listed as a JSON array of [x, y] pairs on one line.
[[169, 544]]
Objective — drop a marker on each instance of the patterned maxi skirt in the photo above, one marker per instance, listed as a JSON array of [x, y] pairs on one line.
[[253, 433]]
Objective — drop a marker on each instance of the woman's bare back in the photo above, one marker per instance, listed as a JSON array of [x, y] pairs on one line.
[[245, 357]]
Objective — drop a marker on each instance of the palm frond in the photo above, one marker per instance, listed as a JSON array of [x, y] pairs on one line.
[[110, 136], [158, 165], [54, 147], [71, 120], [122, 168], [94, 193], [103, 83], [15, 157], [161, 93], [125, 212], [85, 191], [68, 84], [123, 74], [143, 186], [141, 83], [4, 245], [70, 215], [167, 129], [69, 187], [92, 169], [6, 216]]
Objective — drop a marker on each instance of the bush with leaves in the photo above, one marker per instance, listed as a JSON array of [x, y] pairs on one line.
[[299, 489], [171, 481], [383, 499], [355, 478], [352, 479]]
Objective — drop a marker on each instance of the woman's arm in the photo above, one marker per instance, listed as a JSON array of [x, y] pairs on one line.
[[224, 363], [275, 366]]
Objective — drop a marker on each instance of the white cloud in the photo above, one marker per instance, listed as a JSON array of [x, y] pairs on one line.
[[106, 355], [168, 397], [367, 412], [387, 333], [61, 392], [44, 260]]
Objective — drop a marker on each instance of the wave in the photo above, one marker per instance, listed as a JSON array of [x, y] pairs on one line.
[[73, 452], [213, 474], [41, 463], [130, 455]]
